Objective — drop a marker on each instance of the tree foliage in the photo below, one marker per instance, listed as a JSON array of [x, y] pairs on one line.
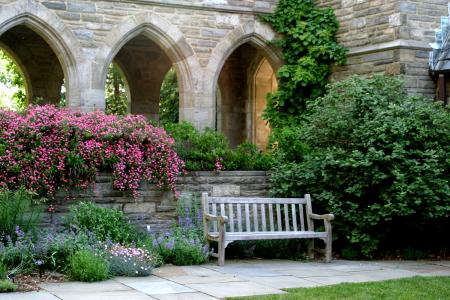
[[378, 159], [309, 48], [116, 91], [13, 94], [169, 99]]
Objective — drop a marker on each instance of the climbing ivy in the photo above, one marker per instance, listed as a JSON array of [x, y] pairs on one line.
[[309, 49]]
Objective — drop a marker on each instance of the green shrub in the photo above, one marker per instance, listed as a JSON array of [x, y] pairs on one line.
[[3, 270], [6, 286], [104, 223], [17, 209], [379, 161], [201, 150], [88, 267]]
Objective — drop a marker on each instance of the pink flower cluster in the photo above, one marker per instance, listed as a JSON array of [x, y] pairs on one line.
[[46, 148]]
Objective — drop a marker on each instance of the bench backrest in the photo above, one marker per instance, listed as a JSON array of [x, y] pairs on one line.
[[260, 214]]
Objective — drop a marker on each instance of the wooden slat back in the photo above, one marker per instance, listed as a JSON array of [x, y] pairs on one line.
[[261, 214]]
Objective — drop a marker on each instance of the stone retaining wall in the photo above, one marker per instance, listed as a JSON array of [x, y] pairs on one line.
[[157, 208]]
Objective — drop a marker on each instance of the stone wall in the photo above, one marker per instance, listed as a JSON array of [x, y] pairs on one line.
[[390, 36], [196, 38], [156, 208]]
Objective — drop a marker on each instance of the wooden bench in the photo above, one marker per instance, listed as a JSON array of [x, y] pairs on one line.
[[229, 219]]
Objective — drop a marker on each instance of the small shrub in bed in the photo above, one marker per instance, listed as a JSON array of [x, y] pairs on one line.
[[129, 261], [104, 223], [6, 286], [88, 267]]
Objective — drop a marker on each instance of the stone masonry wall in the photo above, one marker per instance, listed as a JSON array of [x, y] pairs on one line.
[[155, 207], [389, 36], [199, 36]]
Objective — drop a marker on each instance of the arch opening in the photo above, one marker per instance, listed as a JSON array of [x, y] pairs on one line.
[[42, 74], [117, 91], [246, 78], [145, 66]]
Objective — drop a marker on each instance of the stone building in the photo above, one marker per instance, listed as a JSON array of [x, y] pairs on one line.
[[220, 50]]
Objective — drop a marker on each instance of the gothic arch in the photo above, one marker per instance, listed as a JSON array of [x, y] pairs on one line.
[[254, 33], [58, 36], [161, 32]]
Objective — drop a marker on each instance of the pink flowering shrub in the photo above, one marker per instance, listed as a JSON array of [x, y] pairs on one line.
[[46, 148], [129, 261]]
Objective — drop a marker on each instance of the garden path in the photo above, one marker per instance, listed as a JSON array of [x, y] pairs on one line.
[[236, 278]]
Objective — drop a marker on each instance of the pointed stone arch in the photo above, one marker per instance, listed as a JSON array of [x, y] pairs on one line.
[[232, 67], [165, 35], [254, 33], [58, 36]]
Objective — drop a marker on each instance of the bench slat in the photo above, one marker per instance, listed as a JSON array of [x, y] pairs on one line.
[[247, 217], [255, 217], [294, 217], [239, 216], [272, 227], [302, 217], [279, 218], [263, 217], [249, 200], [286, 218], [214, 212], [238, 236], [231, 216]]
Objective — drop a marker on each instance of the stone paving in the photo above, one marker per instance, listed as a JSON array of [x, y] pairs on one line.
[[236, 278]]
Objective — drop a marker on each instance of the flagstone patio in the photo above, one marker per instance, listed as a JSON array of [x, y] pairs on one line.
[[236, 278]]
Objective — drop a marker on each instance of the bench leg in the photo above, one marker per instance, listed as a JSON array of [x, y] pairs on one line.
[[311, 249], [328, 249], [221, 254]]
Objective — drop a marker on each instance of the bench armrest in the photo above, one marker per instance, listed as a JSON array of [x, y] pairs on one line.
[[327, 217], [220, 219]]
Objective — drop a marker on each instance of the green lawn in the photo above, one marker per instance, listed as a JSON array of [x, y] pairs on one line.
[[416, 288]]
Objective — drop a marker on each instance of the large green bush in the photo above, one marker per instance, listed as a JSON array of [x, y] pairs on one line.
[[378, 159]]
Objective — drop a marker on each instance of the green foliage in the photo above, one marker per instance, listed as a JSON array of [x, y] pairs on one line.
[[88, 267], [104, 223], [379, 161], [6, 286], [184, 244], [116, 91], [3, 270], [201, 150], [12, 81], [169, 99], [17, 208], [309, 48]]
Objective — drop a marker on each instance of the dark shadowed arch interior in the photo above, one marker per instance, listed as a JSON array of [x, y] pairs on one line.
[[39, 64], [244, 82], [145, 66]]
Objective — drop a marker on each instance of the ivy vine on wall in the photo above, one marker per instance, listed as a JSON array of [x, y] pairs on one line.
[[309, 49]]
